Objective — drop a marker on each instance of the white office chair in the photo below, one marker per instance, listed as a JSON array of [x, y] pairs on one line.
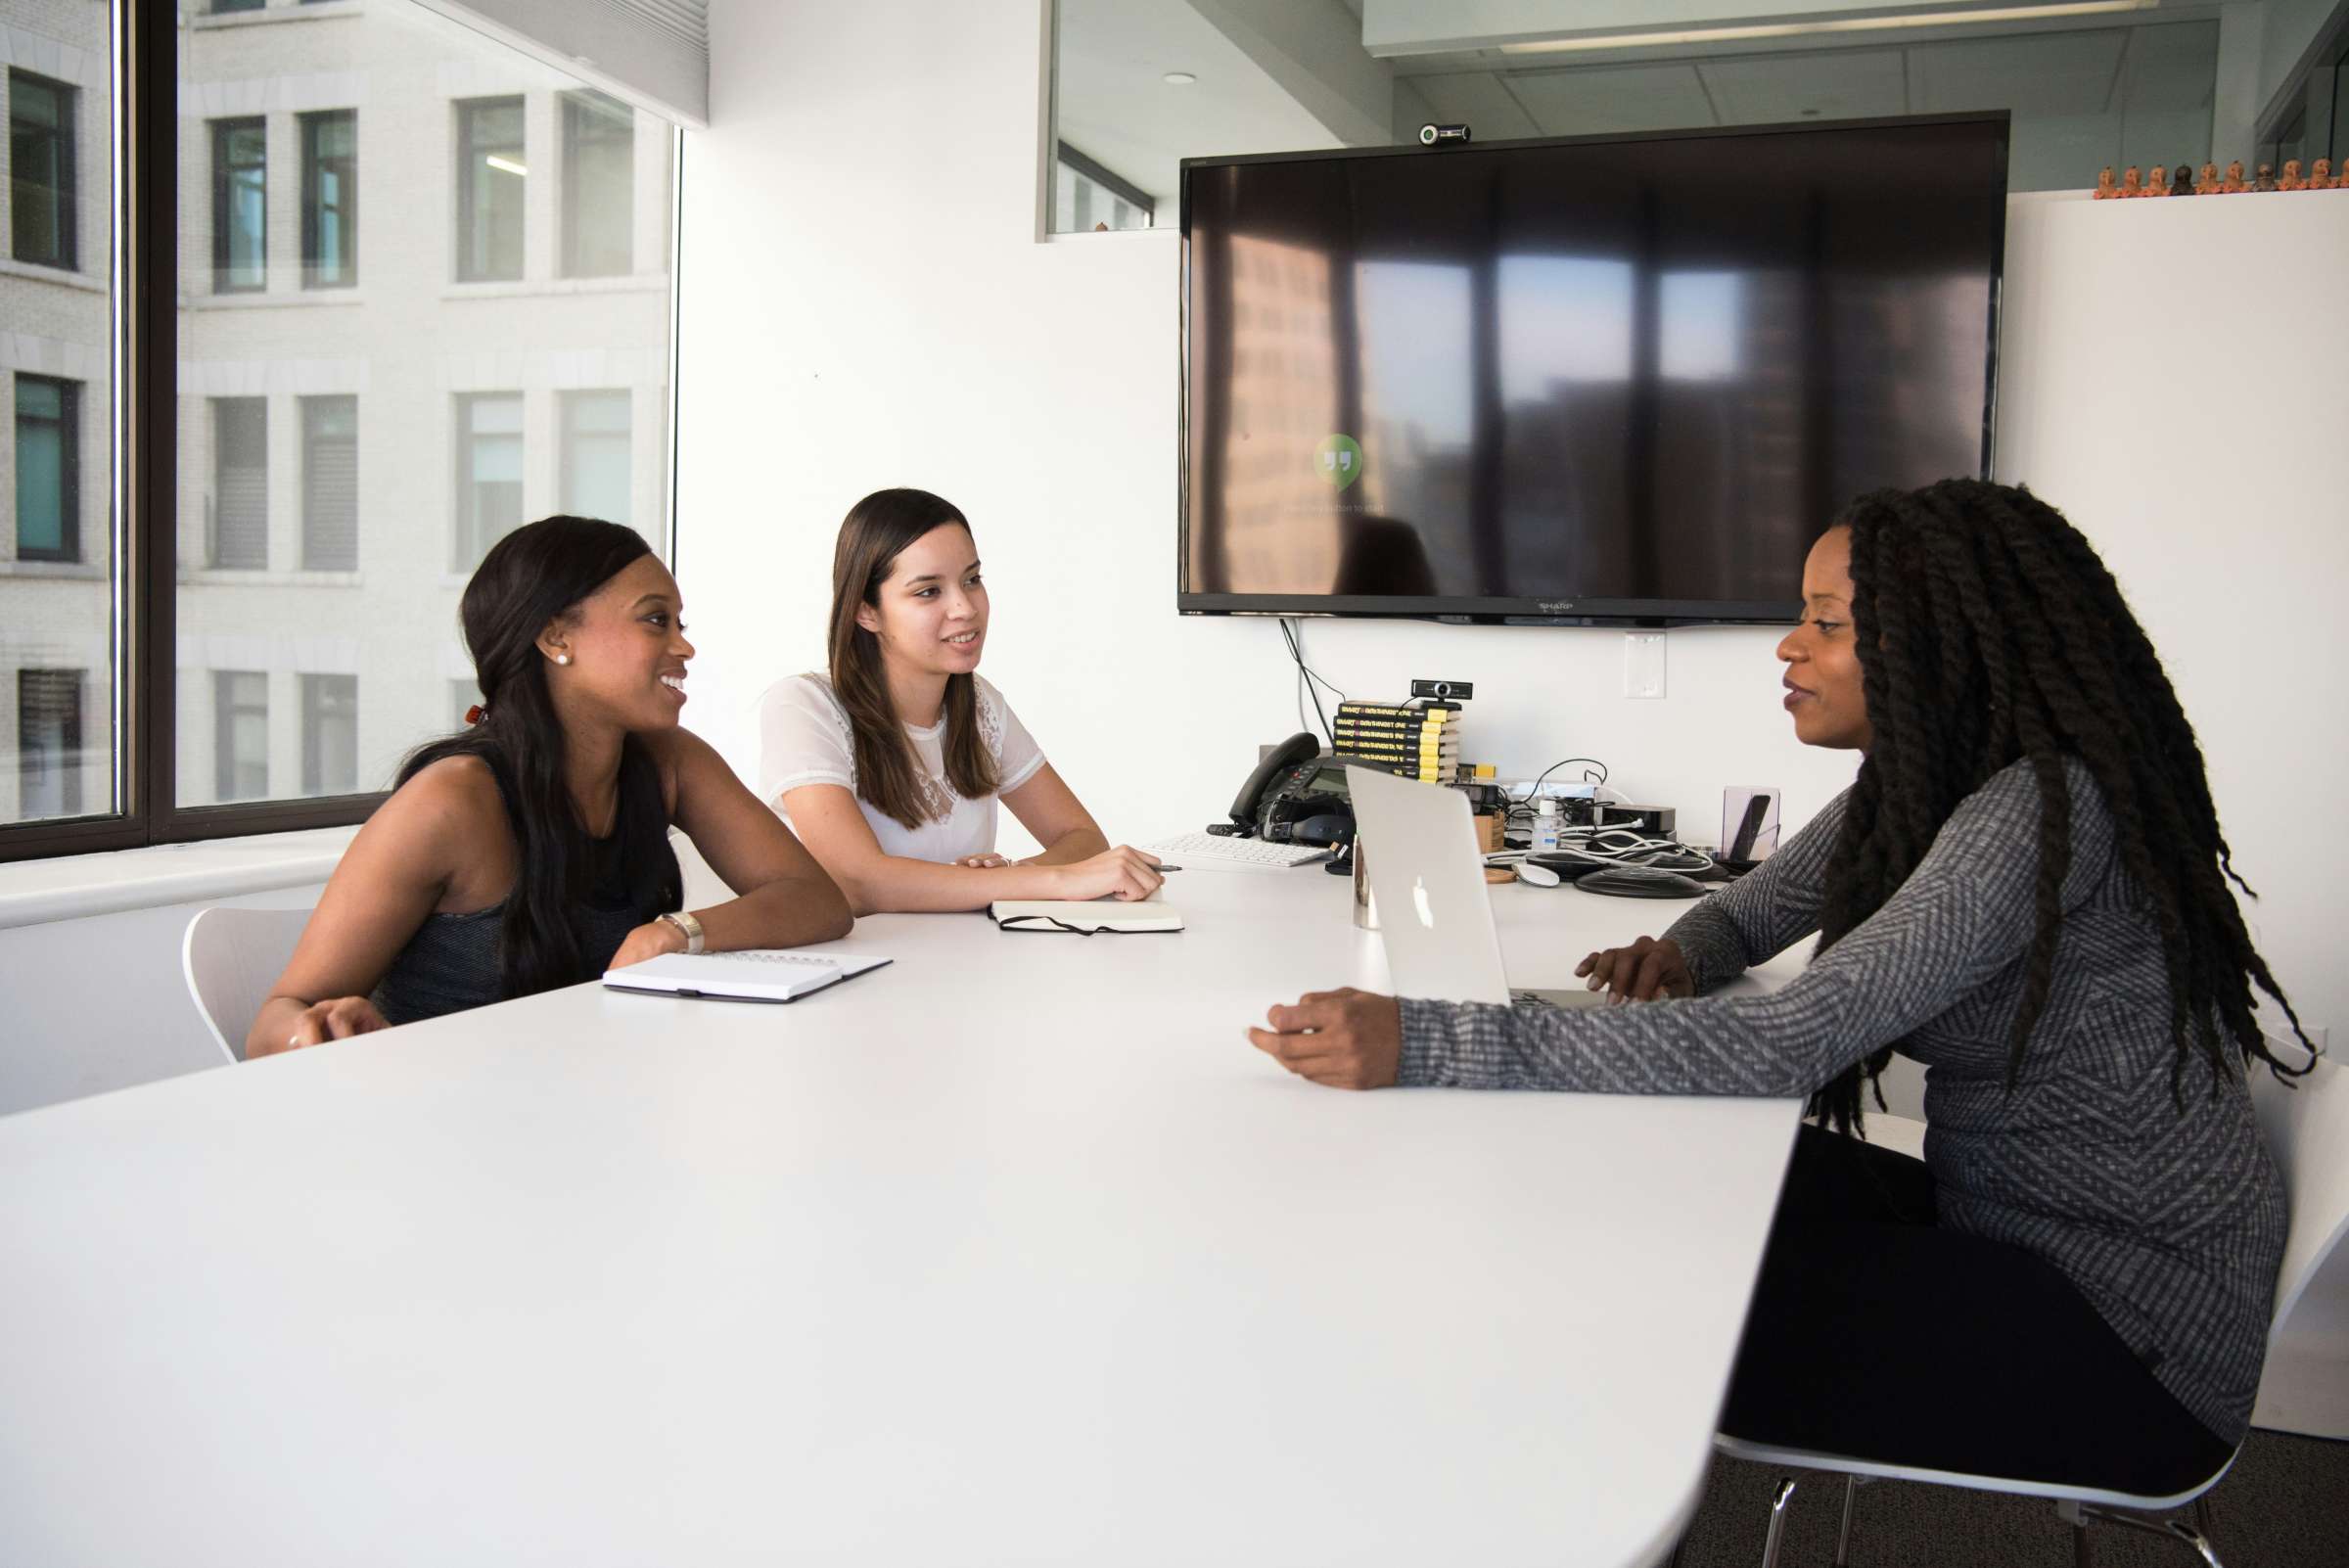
[[231, 958], [2307, 1131]]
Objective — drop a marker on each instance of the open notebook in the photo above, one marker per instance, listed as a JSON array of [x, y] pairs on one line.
[[1084, 917], [757, 974]]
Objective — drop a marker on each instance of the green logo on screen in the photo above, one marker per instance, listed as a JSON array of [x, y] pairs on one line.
[[1339, 460]]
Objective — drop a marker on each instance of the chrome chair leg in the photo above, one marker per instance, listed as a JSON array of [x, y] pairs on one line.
[[2175, 1528], [1843, 1534], [1778, 1521]]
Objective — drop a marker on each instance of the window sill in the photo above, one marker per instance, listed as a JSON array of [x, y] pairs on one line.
[[271, 299], [63, 570], [62, 277], [251, 577], [76, 886], [519, 288]]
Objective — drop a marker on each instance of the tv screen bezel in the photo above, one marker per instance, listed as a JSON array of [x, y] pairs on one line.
[[1528, 611]]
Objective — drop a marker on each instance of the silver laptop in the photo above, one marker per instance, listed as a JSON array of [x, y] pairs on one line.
[[1435, 909]]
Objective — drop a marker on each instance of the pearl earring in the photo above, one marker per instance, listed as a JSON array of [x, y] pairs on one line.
[[562, 658]]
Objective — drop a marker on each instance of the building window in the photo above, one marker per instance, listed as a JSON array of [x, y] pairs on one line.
[[330, 484], [48, 743], [489, 471], [595, 454], [599, 185], [48, 468], [330, 734], [240, 205], [490, 169], [240, 735], [240, 531], [330, 198], [41, 170], [221, 8]]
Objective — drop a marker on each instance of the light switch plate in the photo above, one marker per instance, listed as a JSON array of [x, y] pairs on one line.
[[1644, 664]]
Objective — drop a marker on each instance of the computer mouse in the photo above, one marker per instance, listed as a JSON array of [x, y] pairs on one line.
[[1540, 875], [1640, 882]]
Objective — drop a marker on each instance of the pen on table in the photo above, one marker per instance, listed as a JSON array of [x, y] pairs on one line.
[[1163, 866]]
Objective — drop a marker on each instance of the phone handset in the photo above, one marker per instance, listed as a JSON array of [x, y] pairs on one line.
[[1298, 748]]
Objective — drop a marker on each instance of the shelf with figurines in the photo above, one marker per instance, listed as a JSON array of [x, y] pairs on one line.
[[2136, 183]]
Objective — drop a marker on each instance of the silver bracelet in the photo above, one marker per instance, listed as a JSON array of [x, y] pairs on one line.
[[689, 927]]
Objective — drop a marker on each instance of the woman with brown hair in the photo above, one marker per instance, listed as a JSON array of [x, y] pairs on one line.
[[890, 768]]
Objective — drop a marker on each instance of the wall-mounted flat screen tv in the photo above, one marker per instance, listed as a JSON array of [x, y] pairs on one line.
[[1591, 381]]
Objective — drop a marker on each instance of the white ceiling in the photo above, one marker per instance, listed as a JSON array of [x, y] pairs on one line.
[[2081, 95]]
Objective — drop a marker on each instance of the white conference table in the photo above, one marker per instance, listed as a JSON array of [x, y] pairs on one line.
[[1012, 1252]]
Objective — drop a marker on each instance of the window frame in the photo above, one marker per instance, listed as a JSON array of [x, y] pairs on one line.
[[309, 124], [468, 174], [216, 132], [68, 551], [65, 219], [138, 163]]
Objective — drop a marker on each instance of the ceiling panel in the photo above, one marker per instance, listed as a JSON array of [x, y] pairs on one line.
[[2047, 74], [1476, 99], [1620, 98], [1842, 85]]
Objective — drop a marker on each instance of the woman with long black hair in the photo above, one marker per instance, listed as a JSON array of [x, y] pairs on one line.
[[531, 851], [2026, 890]]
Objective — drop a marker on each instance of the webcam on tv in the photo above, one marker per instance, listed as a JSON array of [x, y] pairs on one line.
[[1436, 135]]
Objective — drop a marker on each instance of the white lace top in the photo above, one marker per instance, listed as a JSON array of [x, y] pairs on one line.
[[804, 738]]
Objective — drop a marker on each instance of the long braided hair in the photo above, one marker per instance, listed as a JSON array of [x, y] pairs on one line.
[[1989, 632]]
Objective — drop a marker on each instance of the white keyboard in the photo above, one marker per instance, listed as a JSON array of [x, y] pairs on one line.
[[1184, 847]]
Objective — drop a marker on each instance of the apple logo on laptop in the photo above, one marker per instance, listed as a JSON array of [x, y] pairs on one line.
[[1427, 917]]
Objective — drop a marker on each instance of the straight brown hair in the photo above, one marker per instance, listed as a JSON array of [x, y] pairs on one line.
[[875, 532]]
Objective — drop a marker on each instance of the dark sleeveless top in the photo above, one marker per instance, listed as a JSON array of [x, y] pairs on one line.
[[451, 962]]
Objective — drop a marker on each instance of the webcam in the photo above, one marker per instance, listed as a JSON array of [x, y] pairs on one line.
[[1431, 135], [1453, 691]]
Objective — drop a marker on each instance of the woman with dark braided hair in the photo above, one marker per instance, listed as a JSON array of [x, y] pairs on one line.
[[531, 849], [2025, 890]]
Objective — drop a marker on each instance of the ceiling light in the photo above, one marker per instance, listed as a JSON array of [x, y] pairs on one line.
[[1178, 79], [506, 163], [1801, 30]]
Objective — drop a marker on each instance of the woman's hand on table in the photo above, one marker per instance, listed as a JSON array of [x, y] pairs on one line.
[[1344, 1038], [337, 1018], [648, 941], [1645, 970]]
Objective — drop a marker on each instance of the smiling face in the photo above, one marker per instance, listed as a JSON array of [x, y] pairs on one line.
[[626, 647], [930, 618], [1824, 689]]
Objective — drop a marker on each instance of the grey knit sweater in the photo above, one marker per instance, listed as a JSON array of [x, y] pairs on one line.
[[2171, 1223]]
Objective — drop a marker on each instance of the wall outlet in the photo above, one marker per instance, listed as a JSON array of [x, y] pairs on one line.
[[1644, 664]]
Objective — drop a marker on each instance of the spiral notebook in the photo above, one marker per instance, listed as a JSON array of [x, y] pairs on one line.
[[757, 974]]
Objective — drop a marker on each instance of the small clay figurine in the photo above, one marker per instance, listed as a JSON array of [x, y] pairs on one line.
[[2157, 182], [2267, 178], [2319, 178], [2291, 180], [2132, 182], [2234, 178], [2208, 184], [2182, 181], [2106, 190]]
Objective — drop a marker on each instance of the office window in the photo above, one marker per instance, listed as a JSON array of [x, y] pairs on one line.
[[330, 484], [240, 205], [489, 471], [48, 743], [595, 454], [330, 198], [42, 178], [490, 169], [330, 734], [240, 531], [240, 735], [599, 185], [221, 8], [48, 468]]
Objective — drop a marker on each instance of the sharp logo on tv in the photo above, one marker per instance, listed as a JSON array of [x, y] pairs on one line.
[[1339, 460]]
